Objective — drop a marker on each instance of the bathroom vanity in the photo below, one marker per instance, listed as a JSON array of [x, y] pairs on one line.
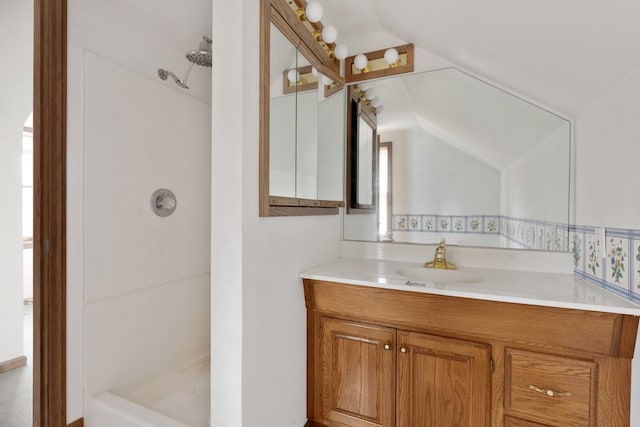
[[494, 348]]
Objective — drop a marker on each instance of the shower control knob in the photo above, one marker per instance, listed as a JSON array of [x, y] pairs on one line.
[[163, 202], [166, 202]]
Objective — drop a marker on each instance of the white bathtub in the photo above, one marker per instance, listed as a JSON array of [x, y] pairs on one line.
[[179, 399]]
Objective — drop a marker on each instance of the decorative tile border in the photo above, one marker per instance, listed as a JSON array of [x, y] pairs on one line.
[[634, 260], [619, 270], [530, 234]]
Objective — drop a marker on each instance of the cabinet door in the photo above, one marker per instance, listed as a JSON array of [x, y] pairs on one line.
[[358, 374], [442, 382]]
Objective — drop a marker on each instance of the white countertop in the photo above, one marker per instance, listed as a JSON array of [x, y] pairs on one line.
[[543, 289]]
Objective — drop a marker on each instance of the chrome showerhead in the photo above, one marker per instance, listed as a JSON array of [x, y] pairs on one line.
[[202, 56], [163, 74]]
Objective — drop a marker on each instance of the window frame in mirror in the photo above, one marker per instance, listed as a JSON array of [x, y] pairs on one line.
[[280, 13], [356, 111]]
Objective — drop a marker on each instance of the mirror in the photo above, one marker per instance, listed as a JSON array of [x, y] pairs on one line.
[[361, 154], [468, 162], [302, 131], [331, 140], [282, 119]]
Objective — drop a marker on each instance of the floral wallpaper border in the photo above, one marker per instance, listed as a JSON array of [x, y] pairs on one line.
[[529, 233], [619, 270]]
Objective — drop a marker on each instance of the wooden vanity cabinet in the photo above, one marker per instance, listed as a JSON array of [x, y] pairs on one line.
[[387, 358]]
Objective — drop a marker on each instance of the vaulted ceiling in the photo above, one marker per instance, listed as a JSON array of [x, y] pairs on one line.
[[564, 54]]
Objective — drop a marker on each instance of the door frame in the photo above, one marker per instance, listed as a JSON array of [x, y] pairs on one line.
[[49, 249]]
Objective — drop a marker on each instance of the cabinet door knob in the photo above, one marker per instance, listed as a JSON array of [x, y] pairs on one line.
[[403, 349], [387, 346]]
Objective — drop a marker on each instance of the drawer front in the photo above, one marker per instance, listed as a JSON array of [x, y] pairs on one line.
[[555, 390]]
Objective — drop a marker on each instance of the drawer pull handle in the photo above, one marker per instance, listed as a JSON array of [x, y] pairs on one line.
[[548, 392]]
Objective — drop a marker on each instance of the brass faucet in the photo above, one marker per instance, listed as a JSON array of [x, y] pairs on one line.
[[439, 260]]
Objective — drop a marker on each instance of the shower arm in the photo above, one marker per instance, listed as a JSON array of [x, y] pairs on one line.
[[186, 75]]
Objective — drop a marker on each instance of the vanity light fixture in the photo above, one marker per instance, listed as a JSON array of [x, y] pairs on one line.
[[312, 12], [308, 18], [340, 52], [370, 93], [391, 57], [329, 34], [293, 76], [327, 81], [366, 96], [361, 63], [299, 79], [379, 63]]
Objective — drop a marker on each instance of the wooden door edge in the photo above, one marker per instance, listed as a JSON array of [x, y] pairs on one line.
[[49, 257]]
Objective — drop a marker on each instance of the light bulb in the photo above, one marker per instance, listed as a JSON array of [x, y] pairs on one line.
[[341, 52], [379, 109], [329, 34], [360, 62], [390, 56], [293, 76], [375, 102], [369, 93], [327, 81], [314, 72], [313, 12]]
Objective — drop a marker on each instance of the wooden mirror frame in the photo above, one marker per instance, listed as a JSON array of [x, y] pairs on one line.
[[282, 14], [357, 109]]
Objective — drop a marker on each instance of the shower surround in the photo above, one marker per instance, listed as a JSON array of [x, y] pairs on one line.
[[146, 278]]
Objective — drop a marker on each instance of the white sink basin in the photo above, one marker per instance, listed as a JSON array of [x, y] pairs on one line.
[[444, 277]]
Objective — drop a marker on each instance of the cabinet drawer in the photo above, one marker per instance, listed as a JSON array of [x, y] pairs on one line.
[[555, 390]]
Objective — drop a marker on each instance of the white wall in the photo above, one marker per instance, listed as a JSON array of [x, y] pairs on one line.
[[138, 285], [16, 45], [432, 177], [529, 191], [607, 188], [258, 310]]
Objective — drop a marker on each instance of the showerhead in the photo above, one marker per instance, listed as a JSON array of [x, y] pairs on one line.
[[163, 74], [202, 56]]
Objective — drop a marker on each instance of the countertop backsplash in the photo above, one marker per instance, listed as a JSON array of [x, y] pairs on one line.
[[613, 265]]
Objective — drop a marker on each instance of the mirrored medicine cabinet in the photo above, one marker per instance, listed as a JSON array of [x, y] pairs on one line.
[[302, 120]]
